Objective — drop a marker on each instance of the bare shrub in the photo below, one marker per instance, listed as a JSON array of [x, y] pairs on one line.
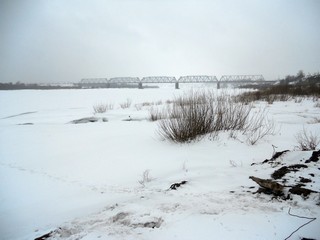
[[248, 97], [146, 104], [102, 108], [230, 115], [284, 97], [259, 126], [199, 113], [270, 98], [233, 134], [315, 120], [307, 140], [126, 104], [110, 106], [145, 178], [261, 131], [256, 120], [298, 100], [190, 117], [317, 105], [138, 107], [156, 114]]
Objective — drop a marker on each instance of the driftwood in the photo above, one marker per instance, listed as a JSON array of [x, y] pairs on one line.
[[268, 184]]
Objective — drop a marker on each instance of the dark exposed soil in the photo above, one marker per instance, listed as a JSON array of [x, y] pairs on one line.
[[272, 187], [273, 158], [305, 180], [314, 157], [301, 191], [286, 169]]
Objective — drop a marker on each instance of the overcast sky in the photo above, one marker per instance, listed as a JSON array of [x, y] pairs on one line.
[[66, 40]]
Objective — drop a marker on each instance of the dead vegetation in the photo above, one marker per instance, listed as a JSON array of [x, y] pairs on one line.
[[126, 104], [193, 115], [156, 114], [102, 107], [285, 91], [307, 140]]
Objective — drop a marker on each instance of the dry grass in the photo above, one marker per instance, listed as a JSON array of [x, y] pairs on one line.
[[102, 107], [307, 141], [126, 104], [156, 114], [317, 105]]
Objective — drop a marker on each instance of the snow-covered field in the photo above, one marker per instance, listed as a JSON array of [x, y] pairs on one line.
[[85, 181]]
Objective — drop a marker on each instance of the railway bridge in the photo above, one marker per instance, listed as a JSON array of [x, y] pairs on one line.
[[232, 79]]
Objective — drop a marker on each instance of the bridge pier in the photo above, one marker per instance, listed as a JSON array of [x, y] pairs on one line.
[[140, 85], [218, 85], [177, 85]]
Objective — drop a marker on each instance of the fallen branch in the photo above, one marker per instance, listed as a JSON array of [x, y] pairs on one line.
[[45, 236], [311, 220], [174, 186]]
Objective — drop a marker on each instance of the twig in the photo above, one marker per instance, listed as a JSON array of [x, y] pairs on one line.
[[274, 149], [311, 220]]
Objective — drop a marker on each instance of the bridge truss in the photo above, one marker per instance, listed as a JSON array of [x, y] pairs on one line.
[[197, 79], [93, 80], [104, 82], [159, 79], [241, 78], [124, 80]]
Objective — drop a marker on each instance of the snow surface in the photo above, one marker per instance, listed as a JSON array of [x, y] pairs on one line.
[[82, 180]]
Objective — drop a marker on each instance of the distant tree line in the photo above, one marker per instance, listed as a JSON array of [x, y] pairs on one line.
[[19, 85], [301, 78]]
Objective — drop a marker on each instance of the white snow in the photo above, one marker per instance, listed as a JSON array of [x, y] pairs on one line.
[[75, 179]]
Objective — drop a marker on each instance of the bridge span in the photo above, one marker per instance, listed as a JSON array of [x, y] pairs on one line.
[[241, 79]]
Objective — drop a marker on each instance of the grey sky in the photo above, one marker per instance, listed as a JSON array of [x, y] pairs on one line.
[[66, 40]]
